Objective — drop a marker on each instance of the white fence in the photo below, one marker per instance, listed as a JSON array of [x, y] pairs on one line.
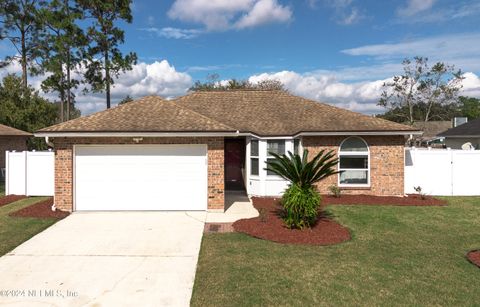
[[30, 173], [444, 172]]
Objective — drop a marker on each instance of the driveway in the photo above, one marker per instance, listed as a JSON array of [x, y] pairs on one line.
[[106, 258]]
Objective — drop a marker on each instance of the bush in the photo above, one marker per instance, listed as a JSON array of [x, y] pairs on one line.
[[301, 206], [301, 201], [336, 191]]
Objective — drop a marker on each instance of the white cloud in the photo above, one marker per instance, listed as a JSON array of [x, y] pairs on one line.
[[345, 12], [471, 85], [461, 50], [158, 78], [419, 11], [169, 32], [414, 7], [221, 15]]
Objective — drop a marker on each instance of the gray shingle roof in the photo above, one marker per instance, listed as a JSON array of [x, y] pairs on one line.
[[265, 113], [472, 128]]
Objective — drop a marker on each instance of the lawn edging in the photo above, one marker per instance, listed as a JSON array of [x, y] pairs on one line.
[[41, 209]]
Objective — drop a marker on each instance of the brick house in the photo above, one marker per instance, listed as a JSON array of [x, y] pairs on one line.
[[11, 139], [187, 153]]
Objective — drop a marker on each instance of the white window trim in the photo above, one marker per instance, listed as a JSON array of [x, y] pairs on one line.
[[288, 147], [354, 153], [249, 170]]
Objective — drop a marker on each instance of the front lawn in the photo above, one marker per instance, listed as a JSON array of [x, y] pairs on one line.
[[16, 230], [398, 256]]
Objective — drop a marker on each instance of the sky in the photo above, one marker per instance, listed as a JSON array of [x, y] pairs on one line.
[[334, 51]]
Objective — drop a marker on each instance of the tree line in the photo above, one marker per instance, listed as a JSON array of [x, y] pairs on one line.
[[71, 42]]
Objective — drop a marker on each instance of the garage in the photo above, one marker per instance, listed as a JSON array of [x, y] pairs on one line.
[[140, 177]]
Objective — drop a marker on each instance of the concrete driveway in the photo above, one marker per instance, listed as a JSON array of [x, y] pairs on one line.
[[106, 259]]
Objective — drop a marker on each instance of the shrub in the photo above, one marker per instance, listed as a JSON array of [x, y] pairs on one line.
[[301, 206], [301, 201], [336, 192], [420, 192]]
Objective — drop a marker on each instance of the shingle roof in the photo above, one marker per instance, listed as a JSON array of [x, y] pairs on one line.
[[472, 128], [265, 113], [432, 128], [147, 114], [9, 131]]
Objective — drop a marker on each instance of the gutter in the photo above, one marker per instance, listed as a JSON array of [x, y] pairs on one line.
[[218, 134]]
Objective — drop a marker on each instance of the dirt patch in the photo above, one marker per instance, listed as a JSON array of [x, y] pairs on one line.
[[218, 227], [42, 209], [474, 257], [410, 200], [269, 226], [5, 200]]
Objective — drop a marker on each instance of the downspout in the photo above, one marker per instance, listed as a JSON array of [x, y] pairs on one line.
[[53, 207]]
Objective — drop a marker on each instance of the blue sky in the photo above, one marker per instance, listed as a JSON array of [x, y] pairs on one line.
[[335, 51]]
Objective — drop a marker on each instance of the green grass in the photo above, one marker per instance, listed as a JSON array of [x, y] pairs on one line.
[[16, 230], [398, 256]]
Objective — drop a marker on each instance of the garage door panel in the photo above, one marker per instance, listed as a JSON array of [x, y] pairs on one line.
[[155, 177]]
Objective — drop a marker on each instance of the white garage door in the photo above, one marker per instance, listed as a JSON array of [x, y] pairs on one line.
[[141, 177]]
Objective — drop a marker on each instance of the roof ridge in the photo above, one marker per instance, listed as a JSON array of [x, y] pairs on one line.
[[201, 115]]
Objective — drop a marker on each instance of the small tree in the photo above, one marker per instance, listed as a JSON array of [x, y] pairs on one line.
[[301, 200], [421, 87]]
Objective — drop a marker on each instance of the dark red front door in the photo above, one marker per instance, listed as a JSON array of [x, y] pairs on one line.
[[234, 163]]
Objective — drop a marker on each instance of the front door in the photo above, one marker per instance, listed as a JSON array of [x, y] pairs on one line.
[[234, 163]]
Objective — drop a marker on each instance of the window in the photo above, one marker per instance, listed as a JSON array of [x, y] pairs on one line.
[[275, 146], [354, 162], [254, 157], [296, 146]]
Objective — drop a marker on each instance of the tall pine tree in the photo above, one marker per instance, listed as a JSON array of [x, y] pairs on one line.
[[104, 60]]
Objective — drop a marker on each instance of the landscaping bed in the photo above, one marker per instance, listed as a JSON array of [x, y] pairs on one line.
[[410, 200], [474, 257], [270, 226], [5, 200], [42, 209]]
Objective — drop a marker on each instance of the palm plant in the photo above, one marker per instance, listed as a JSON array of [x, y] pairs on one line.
[[301, 200]]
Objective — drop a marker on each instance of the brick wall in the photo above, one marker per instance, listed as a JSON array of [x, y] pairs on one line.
[[17, 143], [386, 163], [64, 165]]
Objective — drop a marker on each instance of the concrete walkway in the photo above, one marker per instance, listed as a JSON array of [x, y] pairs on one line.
[[106, 259]]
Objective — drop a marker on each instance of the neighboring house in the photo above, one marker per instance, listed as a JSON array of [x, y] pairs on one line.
[[431, 129], [469, 132], [11, 139], [185, 153]]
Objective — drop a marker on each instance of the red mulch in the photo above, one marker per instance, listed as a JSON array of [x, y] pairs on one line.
[[5, 200], [474, 257], [410, 200], [42, 209], [325, 232]]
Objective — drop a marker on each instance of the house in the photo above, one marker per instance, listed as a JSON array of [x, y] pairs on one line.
[[11, 139], [187, 153], [430, 130], [465, 133]]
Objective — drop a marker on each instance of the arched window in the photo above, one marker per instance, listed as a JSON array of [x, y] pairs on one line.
[[354, 162]]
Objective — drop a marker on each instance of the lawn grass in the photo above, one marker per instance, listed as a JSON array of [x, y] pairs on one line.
[[16, 230], [398, 256]]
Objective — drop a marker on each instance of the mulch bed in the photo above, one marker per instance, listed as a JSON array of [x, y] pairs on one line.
[[5, 200], [474, 257], [269, 226], [42, 209], [410, 200], [218, 228]]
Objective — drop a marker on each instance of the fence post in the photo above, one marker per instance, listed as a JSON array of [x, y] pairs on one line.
[[6, 173]]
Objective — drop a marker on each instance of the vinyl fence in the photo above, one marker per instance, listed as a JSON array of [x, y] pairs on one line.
[[30, 173], [444, 172]]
